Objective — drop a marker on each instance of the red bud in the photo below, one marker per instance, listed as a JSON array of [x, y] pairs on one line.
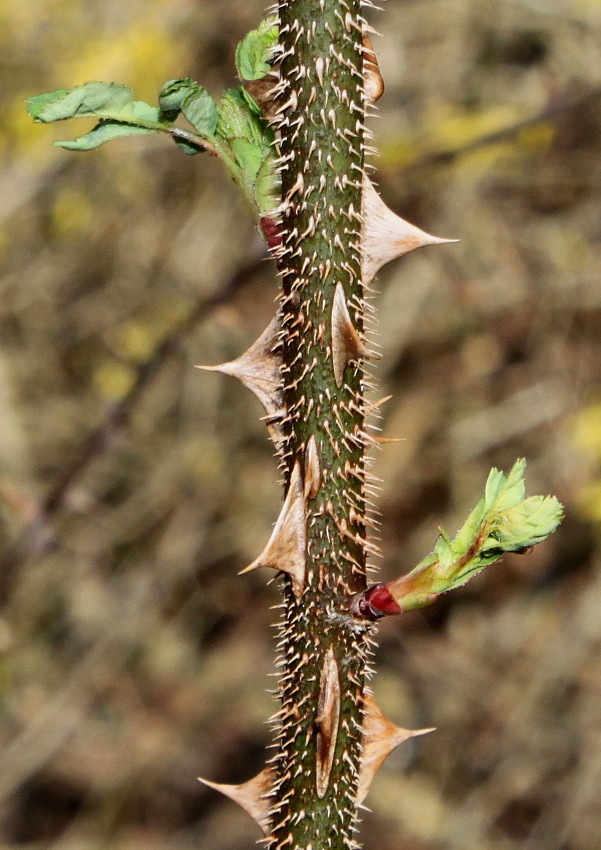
[[376, 602]]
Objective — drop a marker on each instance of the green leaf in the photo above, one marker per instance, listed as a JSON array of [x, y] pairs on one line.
[[502, 521], [470, 529], [104, 131], [525, 524], [443, 550], [251, 103], [120, 115], [504, 491], [256, 49], [248, 156], [265, 187], [514, 488], [37, 103], [173, 94], [250, 141], [95, 100], [494, 483], [187, 147], [235, 121], [469, 571], [193, 101], [200, 110], [236, 132]]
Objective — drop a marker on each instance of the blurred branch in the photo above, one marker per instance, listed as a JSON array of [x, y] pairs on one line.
[[37, 536], [59, 719], [479, 432], [549, 113]]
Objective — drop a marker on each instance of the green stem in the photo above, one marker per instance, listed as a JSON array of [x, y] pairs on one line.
[[218, 148], [322, 166], [191, 138]]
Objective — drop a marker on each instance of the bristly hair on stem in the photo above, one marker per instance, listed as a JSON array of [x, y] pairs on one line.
[[293, 137]]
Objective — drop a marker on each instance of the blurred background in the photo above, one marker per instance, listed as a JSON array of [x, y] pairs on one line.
[[134, 487]]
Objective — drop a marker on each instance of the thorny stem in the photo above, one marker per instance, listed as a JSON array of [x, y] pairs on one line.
[[215, 147], [322, 152], [330, 235]]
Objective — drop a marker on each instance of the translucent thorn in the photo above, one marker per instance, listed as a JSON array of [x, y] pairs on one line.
[[253, 796], [380, 738], [312, 469], [259, 369], [319, 68], [372, 79], [328, 716], [286, 550], [346, 343], [386, 235]]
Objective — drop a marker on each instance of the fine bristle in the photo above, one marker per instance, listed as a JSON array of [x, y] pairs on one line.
[[329, 233]]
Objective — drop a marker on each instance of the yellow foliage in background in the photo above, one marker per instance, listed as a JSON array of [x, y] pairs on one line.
[[448, 127], [71, 213], [586, 435], [587, 430], [142, 55], [113, 379]]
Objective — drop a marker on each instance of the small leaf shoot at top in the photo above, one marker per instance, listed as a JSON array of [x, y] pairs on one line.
[[235, 130]]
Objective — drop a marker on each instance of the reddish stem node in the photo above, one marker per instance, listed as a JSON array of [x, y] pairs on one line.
[[375, 602], [271, 231]]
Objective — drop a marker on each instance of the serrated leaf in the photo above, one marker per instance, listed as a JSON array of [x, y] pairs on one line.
[[255, 50], [496, 480], [37, 103], [250, 141], [200, 110], [502, 521], [248, 156], [236, 132], [514, 489], [470, 529], [235, 121], [444, 551], [95, 100], [120, 114], [173, 94], [104, 131], [526, 523]]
